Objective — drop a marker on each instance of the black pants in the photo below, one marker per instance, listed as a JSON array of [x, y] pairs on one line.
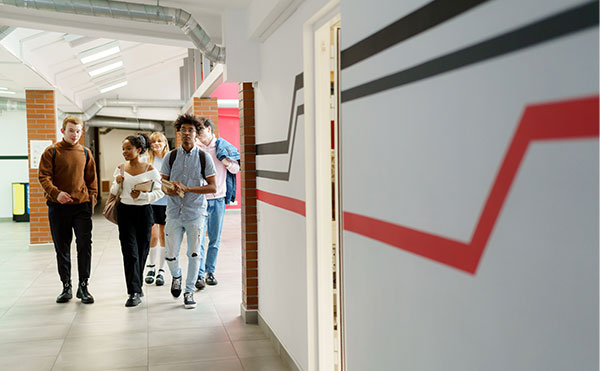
[[135, 229], [65, 218]]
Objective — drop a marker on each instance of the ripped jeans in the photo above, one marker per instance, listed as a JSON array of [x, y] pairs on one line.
[[174, 230]]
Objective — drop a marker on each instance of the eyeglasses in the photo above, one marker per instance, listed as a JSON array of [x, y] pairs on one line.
[[190, 131]]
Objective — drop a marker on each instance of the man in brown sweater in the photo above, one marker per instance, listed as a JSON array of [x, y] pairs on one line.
[[67, 172]]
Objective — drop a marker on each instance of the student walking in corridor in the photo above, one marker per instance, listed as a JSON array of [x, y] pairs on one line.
[[67, 173], [192, 174]]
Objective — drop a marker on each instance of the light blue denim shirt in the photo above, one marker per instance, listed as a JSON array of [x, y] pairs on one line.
[[187, 170]]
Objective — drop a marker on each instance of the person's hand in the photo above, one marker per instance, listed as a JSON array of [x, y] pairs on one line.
[[64, 197], [134, 194], [180, 187], [120, 178], [226, 162]]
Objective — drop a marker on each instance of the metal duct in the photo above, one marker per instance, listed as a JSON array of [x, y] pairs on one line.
[[126, 124], [5, 30], [101, 103], [12, 104], [133, 12]]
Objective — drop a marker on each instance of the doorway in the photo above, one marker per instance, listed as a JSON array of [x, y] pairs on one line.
[[324, 79]]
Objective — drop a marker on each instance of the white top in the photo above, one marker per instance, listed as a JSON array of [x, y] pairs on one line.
[[144, 198]]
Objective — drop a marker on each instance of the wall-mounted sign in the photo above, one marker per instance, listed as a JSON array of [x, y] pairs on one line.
[[37, 147]]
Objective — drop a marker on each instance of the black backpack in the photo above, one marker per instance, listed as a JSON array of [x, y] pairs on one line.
[[201, 154]]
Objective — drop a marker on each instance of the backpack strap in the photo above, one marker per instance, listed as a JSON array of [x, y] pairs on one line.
[[172, 157], [87, 156], [53, 155], [202, 155]]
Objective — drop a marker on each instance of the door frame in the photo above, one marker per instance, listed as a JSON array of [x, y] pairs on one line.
[[318, 193]]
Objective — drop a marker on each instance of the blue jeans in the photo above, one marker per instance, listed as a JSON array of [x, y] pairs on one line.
[[194, 230], [216, 214]]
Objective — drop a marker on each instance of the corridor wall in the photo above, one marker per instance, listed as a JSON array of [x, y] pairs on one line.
[[471, 226], [14, 126], [281, 174]]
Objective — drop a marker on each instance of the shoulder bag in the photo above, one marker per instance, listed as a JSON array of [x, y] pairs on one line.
[[110, 208]]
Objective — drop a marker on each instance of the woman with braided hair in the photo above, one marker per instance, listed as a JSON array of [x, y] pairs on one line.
[[140, 186]]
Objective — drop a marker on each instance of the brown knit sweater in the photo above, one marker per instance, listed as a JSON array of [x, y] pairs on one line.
[[67, 173]]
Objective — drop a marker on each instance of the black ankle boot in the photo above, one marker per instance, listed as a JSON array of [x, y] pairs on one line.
[[83, 294], [66, 294]]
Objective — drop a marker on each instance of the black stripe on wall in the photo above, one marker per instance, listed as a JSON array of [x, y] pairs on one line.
[[564, 23], [14, 157], [278, 148], [281, 175], [422, 19]]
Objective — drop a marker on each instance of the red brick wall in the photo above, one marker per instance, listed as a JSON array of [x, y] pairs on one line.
[[41, 125], [207, 108], [248, 180]]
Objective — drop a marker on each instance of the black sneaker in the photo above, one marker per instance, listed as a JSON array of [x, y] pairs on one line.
[[188, 300], [66, 294], [83, 293], [150, 275], [200, 285], [176, 287], [160, 278], [211, 280], [134, 300]]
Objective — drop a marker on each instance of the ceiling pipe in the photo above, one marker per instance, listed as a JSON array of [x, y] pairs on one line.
[[133, 12], [118, 123], [93, 110]]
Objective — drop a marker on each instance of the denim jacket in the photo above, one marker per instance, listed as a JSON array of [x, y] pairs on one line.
[[226, 149]]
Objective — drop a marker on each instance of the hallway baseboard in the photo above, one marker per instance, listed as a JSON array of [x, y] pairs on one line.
[[279, 348], [249, 316]]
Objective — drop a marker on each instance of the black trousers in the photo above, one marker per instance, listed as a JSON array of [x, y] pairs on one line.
[[135, 229], [64, 218]]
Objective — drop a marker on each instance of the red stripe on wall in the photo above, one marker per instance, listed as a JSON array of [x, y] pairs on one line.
[[573, 119], [287, 203]]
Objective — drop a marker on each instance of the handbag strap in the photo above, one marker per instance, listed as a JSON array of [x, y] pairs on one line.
[[121, 167]]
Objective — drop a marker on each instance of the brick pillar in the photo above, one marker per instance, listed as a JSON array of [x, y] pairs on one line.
[[41, 125], [249, 221], [207, 108]]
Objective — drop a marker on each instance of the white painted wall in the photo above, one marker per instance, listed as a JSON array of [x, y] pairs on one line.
[[14, 126], [426, 157]]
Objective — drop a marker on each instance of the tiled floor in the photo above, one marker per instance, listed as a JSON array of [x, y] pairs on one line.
[[38, 334]]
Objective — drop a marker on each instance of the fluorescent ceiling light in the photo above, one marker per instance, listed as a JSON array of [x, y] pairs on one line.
[[1, 88], [7, 92], [99, 52], [113, 86], [106, 68]]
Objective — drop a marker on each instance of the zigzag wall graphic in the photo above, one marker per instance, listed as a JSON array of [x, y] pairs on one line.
[[575, 119], [283, 147]]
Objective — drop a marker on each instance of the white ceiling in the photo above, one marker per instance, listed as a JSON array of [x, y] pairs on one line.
[[39, 53]]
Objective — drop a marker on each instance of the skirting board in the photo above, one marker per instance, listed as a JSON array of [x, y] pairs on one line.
[[40, 246], [279, 348]]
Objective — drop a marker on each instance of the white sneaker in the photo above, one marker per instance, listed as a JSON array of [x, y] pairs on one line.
[[188, 300]]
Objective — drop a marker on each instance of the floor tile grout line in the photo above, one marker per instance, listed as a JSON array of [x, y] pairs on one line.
[[227, 333]]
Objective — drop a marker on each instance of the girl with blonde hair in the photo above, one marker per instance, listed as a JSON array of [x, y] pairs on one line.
[[159, 147]]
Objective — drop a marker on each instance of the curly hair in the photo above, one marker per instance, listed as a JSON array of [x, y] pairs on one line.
[[187, 118], [139, 140]]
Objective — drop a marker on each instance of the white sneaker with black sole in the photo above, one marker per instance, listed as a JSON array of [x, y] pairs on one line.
[[188, 300]]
